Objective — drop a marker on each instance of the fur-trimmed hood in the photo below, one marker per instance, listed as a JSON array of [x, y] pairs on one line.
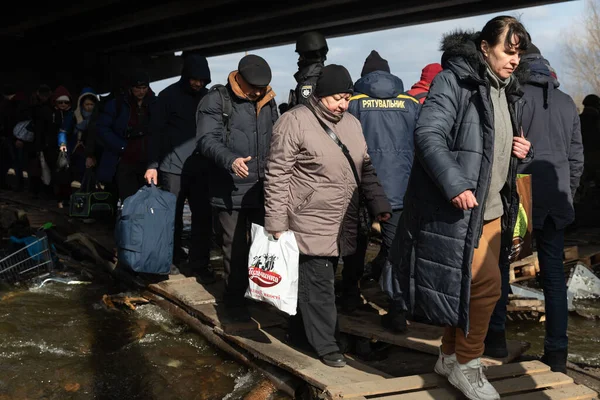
[[461, 56]]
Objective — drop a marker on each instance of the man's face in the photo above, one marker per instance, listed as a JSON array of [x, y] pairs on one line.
[[139, 92], [253, 93], [44, 97], [197, 84]]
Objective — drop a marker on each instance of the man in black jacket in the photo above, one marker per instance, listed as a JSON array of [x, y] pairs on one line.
[[238, 149], [312, 52], [551, 124], [590, 135], [172, 142]]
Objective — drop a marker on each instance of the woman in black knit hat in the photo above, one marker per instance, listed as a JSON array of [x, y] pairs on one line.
[[317, 155]]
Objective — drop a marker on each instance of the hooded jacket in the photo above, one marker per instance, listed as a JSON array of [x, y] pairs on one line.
[[48, 120], [78, 122], [388, 118], [454, 147], [420, 89], [112, 127], [173, 121], [552, 125]]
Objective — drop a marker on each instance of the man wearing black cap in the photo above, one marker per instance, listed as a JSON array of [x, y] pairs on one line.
[[172, 144], [551, 124], [234, 132]]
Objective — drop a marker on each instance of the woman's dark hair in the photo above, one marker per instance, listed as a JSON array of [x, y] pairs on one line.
[[493, 30]]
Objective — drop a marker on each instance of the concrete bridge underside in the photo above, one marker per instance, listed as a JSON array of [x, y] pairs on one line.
[[92, 42]]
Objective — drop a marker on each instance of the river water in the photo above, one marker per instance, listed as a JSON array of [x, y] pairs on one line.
[[61, 342]]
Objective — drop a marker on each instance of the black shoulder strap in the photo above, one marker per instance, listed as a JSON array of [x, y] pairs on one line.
[[421, 95], [227, 108], [342, 146]]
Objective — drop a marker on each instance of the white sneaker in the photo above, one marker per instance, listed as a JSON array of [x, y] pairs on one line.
[[470, 380], [445, 364], [11, 172], [25, 175]]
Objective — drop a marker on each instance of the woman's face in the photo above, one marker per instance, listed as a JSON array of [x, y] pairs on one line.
[[63, 105], [88, 105], [337, 103], [502, 60]]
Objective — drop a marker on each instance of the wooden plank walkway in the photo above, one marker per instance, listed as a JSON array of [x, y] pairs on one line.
[[264, 339], [421, 337], [526, 380]]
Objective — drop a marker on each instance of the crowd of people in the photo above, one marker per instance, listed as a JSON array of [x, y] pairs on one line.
[[436, 166]]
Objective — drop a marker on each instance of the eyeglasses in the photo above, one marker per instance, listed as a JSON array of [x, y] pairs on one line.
[[63, 102]]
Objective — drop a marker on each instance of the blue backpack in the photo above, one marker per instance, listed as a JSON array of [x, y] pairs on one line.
[[144, 231]]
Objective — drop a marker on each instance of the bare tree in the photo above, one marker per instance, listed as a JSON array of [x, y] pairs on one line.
[[581, 47]]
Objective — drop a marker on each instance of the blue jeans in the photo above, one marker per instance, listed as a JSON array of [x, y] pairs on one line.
[[550, 246]]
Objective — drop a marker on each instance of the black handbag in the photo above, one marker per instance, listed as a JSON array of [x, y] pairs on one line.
[[88, 202], [364, 218]]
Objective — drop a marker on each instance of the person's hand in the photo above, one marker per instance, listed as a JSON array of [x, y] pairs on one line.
[[240, 168], [19, 144], [151, 176], [90, 162], [520, 147], [276, 235], [465, 201], [63, 148], [384, 217]]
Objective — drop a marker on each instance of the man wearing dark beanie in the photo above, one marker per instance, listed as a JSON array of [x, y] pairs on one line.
[[374, 62], [388, 117], [550, 121], [233, 131], [318, 161]]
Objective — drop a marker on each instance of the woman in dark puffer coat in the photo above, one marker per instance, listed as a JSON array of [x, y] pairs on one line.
[[461, 202]]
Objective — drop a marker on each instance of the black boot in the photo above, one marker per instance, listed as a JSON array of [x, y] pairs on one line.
[[495, 344], [335, 359], [556, 360], [394, 320]]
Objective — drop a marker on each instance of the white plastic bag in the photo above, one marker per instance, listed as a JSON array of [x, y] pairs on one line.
[[273, 269], [46, 174]]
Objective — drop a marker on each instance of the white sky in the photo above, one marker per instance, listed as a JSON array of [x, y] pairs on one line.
[[407, 49]]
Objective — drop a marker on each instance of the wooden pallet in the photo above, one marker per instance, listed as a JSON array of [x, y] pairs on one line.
[[524, 309], [420, 337], [529, 267], [531, 380], [587, 255], [524, 269]]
